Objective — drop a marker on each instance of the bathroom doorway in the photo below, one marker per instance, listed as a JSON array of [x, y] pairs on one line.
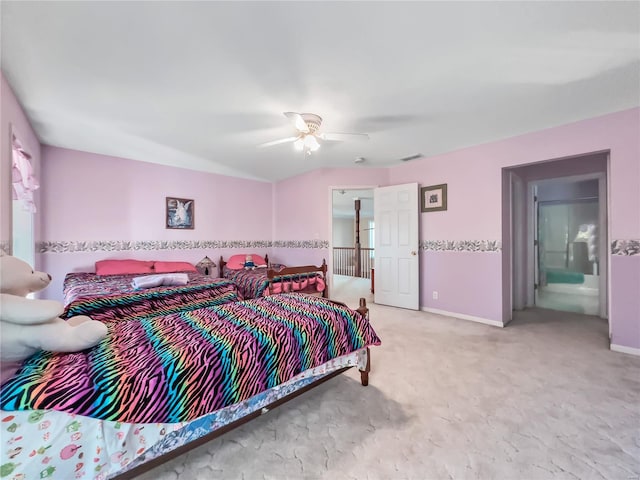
[[555, 235]]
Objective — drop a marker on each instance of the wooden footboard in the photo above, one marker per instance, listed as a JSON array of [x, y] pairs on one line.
[[301, 271], [364, 374], [293, 271]]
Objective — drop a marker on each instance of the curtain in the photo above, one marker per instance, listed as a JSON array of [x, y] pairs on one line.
[[23, 180]]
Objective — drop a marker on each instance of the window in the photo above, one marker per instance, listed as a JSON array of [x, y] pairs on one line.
[[24, 184]]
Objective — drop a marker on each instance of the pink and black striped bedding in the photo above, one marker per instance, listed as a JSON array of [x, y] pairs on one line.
[[255, 283], [178, 367], [111, 297]]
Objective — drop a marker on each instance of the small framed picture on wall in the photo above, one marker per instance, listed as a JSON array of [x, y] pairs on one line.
[[433, 198], [180, 213]]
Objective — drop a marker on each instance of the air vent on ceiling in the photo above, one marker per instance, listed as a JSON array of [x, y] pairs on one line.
[[412, 157]]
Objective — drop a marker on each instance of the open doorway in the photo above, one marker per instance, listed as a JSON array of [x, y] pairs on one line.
[[555, 237], [352, 242]]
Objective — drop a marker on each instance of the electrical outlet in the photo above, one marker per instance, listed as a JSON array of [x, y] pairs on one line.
[[435, 295]]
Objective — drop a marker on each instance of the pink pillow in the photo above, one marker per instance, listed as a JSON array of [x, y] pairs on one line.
[[123, 267], [171, 267], [236, 262]]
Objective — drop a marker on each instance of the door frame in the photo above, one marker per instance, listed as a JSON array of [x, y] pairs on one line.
[[517, 192], [330, 193], [603, 242]]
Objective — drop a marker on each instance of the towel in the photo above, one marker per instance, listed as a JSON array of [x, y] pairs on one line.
[[165, 279]]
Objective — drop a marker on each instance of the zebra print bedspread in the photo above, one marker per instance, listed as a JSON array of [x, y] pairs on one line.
[[178, 367], [111, 297], [254, 283]]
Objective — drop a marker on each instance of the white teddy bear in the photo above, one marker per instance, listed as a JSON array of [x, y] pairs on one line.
[[28, 325]]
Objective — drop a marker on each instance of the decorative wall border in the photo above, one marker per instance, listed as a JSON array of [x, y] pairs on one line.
[[625, 247], [301, 244], [618, 247], [493, 246], [127, 245], [124, 245]]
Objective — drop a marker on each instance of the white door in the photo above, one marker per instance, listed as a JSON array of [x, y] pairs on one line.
[[395, 214]]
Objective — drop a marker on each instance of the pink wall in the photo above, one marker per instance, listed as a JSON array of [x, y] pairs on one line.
[[474, 174], [474, 178], [625, 300], [306, 200], [467, 283], [90, 197], [302, 209], [13, 117]]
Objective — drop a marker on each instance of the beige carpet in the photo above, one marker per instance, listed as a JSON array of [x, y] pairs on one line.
[[542, 398]]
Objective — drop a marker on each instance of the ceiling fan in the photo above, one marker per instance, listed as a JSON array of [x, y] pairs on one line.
[[308, 139]]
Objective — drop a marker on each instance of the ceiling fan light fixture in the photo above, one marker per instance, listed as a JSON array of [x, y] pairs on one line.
[[311, 143], [307, 125], [312, 121]]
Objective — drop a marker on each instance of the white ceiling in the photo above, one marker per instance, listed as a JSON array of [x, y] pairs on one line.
[[200, 84]]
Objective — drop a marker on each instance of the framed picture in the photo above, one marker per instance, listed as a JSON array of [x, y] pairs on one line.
[[180, 213], [433, 198]]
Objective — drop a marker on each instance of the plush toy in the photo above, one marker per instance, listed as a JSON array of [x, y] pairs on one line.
[[28, 325], [248, 263]]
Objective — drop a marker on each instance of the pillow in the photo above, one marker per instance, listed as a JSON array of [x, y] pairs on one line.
[[170, 267], [123, 267], [236, 262]]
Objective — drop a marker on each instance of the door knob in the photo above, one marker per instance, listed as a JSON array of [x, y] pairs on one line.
[[413, 252]]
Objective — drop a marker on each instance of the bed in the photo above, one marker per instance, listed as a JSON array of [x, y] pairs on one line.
[[159, 385], [270, 279], [109, 297]]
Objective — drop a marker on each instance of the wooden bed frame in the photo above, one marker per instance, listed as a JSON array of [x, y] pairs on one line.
[[145, 467], [272, 274]]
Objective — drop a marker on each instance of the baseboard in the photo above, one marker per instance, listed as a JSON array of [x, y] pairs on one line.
[[462, 316], [623, 349]]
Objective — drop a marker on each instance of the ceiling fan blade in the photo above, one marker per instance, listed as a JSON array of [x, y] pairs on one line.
[[278, 142], [298, 121], [338, 137]]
